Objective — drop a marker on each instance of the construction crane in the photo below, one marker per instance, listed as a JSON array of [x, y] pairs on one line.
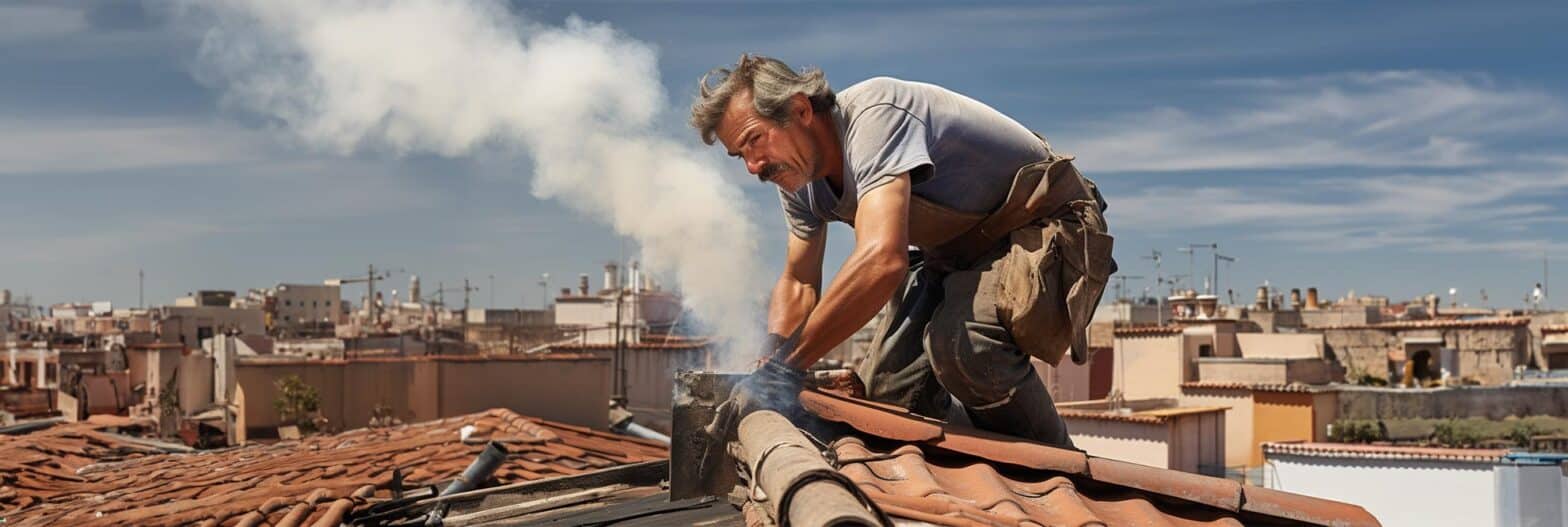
[[467, 290], [370, 278]]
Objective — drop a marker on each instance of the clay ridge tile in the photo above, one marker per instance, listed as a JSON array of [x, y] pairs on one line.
[[1304, 509], [1214, 492]]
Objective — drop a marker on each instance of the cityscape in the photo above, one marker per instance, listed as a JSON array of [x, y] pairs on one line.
[[531, 263]]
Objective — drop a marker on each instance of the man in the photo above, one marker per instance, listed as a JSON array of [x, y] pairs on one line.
[[992, 211]]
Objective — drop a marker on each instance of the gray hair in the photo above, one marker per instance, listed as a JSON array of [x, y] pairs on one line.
[[771, 83]]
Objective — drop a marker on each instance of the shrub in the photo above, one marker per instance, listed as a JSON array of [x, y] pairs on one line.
[[297, 403], [1455, 434], [1356, 431]]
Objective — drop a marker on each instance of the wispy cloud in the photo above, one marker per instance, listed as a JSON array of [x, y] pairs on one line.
[[1477, 212], [1391, 119], [48, 146], [28, 22]]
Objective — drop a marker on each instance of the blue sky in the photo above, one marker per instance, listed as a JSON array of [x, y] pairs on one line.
[[1397, 148]]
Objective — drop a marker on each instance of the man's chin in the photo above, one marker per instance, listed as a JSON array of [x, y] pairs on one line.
[[788, 184]]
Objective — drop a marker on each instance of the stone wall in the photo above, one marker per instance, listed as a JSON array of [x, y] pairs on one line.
[[1487, 355], [1491, 402]]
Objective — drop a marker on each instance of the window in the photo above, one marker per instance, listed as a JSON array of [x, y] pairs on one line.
[[288, 303], [1205, 350], [329, 303], [312, 303]]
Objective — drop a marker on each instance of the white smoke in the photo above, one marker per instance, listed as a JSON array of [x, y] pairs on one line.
[[456, 78]]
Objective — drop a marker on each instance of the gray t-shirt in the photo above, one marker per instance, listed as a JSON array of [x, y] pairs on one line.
[[959, 152]]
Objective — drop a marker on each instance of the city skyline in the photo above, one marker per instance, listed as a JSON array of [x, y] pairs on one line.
[[1303, 160]]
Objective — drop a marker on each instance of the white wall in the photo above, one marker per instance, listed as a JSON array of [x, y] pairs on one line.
[[1397, 492]]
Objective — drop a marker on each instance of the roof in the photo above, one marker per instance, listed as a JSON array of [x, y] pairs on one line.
[[921, 469], [1258, 387], [675, 345], [1147, 331], [1554, 328], [1155, 416], [1485, 323], [295, 360], [1360, 451], [317, 478]]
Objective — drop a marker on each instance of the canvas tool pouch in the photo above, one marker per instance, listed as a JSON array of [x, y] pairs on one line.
[[1056, 263]]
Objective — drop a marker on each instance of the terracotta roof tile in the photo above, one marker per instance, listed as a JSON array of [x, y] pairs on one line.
[[1485, 323], [1147, 331], [925, 470], [316, 480], [1554, 328], [1350, 450], [1257, 387]]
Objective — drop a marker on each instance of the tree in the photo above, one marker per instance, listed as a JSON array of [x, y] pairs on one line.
[[297, 403]]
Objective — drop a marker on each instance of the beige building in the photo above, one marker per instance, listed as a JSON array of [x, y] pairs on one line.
[[1485, 351], [1153, 432], [189, 325], [1260, 413], [1554, 346], [307, 308]]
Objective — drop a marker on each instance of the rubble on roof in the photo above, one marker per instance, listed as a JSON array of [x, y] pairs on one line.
[[85, 480]]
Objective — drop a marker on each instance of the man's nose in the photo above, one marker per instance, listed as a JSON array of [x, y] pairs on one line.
[[755, 165]]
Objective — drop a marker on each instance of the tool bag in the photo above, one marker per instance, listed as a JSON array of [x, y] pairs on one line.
[[1057, 260]]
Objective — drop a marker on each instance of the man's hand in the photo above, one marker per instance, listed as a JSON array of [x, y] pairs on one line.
[[774, 385]]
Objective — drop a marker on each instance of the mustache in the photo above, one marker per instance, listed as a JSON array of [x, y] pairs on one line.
[[770, 170]]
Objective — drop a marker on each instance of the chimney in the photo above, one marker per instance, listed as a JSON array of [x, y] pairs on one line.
[[413, 289], [1312, 298], [1295, 299], [612, 276], [582, 284], [1262, 301]]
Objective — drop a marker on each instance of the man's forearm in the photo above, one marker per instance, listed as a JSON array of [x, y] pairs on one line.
[[863, 285], [792, 301]]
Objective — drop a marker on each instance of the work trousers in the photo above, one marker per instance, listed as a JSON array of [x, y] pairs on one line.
[[940, 336]]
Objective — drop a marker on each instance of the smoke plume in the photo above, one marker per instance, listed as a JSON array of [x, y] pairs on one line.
[[579, 101]]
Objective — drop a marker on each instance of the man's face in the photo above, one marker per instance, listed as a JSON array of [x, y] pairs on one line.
[[784, 155]]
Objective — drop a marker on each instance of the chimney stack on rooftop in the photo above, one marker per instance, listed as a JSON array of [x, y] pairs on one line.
[[1312, 298], [1295, 299], [1262, 301], [582, 284], [612, 276]]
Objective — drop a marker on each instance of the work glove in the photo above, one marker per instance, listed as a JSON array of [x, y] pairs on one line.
[[774, 385]]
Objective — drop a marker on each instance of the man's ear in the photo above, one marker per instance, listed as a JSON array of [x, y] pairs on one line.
[[800, 107]]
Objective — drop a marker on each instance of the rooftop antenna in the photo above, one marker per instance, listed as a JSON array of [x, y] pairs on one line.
[[1159, 279], [1121, 285], [1217, 259], [1191, 250]]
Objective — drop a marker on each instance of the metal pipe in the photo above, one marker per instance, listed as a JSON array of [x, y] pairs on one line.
[[637, 430], [797, 486], [477, 472], [480, 470]]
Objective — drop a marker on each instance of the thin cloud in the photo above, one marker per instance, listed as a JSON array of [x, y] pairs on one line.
[[35, 146], [1482, 212], [1391, 119], [30, 22]]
